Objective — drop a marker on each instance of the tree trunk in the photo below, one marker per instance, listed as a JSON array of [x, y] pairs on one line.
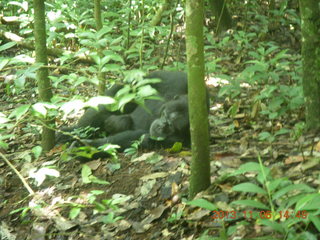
[[310, 25], [198, 113], [44, 85], [222, 15], [97, 17], [158, 16]]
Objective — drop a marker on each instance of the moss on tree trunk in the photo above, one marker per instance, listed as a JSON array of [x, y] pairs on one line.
[[198, 113], [310, 26]]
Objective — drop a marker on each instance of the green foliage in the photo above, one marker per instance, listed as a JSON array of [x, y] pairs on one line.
[[135, 89], [293, 202], [202, 203], [23, 211], [270, 74], [110, 205], [110, 149], [87, 176], [80, 152], [37, 150], [266, 136], [133, 149]]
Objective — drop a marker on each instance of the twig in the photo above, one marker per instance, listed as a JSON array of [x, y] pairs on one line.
[[31, 192]]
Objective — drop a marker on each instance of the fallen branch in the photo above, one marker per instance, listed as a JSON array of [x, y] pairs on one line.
[[24, 182]]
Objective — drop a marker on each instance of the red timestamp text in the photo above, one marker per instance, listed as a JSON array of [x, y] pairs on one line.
[[232, 215]]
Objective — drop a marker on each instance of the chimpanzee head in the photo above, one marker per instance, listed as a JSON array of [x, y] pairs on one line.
[[174, 119]]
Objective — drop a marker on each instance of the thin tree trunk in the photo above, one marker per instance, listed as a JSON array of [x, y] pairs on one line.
[[44, 85], [310, 25], [98, 19], [198, 113]]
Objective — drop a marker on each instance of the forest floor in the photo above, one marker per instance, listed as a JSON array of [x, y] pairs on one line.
[[149, 191]]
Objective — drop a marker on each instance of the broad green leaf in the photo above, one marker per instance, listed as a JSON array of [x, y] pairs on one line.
[[273, 225], [147, 81], [74, 212], [111, 68], [249, 187], [103, 31], [264, 136], [296, 187], [72, 106], [20, 111], [125, 99], [251, 203], [146, 91], [3, 63], [7, 46], [95, 101], [114, 57], [41, 108], [308, 202], [316, 221], [86, 173], [273, 185], [203, 204], [282, 131], [37, 150], [248, 167]]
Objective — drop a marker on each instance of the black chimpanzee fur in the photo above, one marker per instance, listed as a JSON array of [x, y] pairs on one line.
[[165, 122]]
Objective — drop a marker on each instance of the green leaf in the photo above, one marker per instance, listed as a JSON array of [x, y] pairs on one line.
[[273, 225], [4, 145], [74, 212], [41, 108], [134, 76], [7, 46], [94, 179], [95, 101], [250, 203], [114, 57], [264, 136], [282, 131], [272, 185], [147, 91], [308, 202], [248, 167], [296, 187], [316, 221], [249, 187], [111, 68], [125, 99], [20, 111], [203, 204], [37, 150], [103, 31], [148, 81], [3, 63], [86, 173], [110, 218], [177, 147]]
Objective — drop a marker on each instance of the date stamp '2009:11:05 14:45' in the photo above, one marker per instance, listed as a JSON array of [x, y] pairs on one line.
[[228, 215]]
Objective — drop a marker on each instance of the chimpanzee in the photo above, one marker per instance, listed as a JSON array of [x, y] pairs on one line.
[[173, 121], [172, 84], [167, 123], [128, 127]]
